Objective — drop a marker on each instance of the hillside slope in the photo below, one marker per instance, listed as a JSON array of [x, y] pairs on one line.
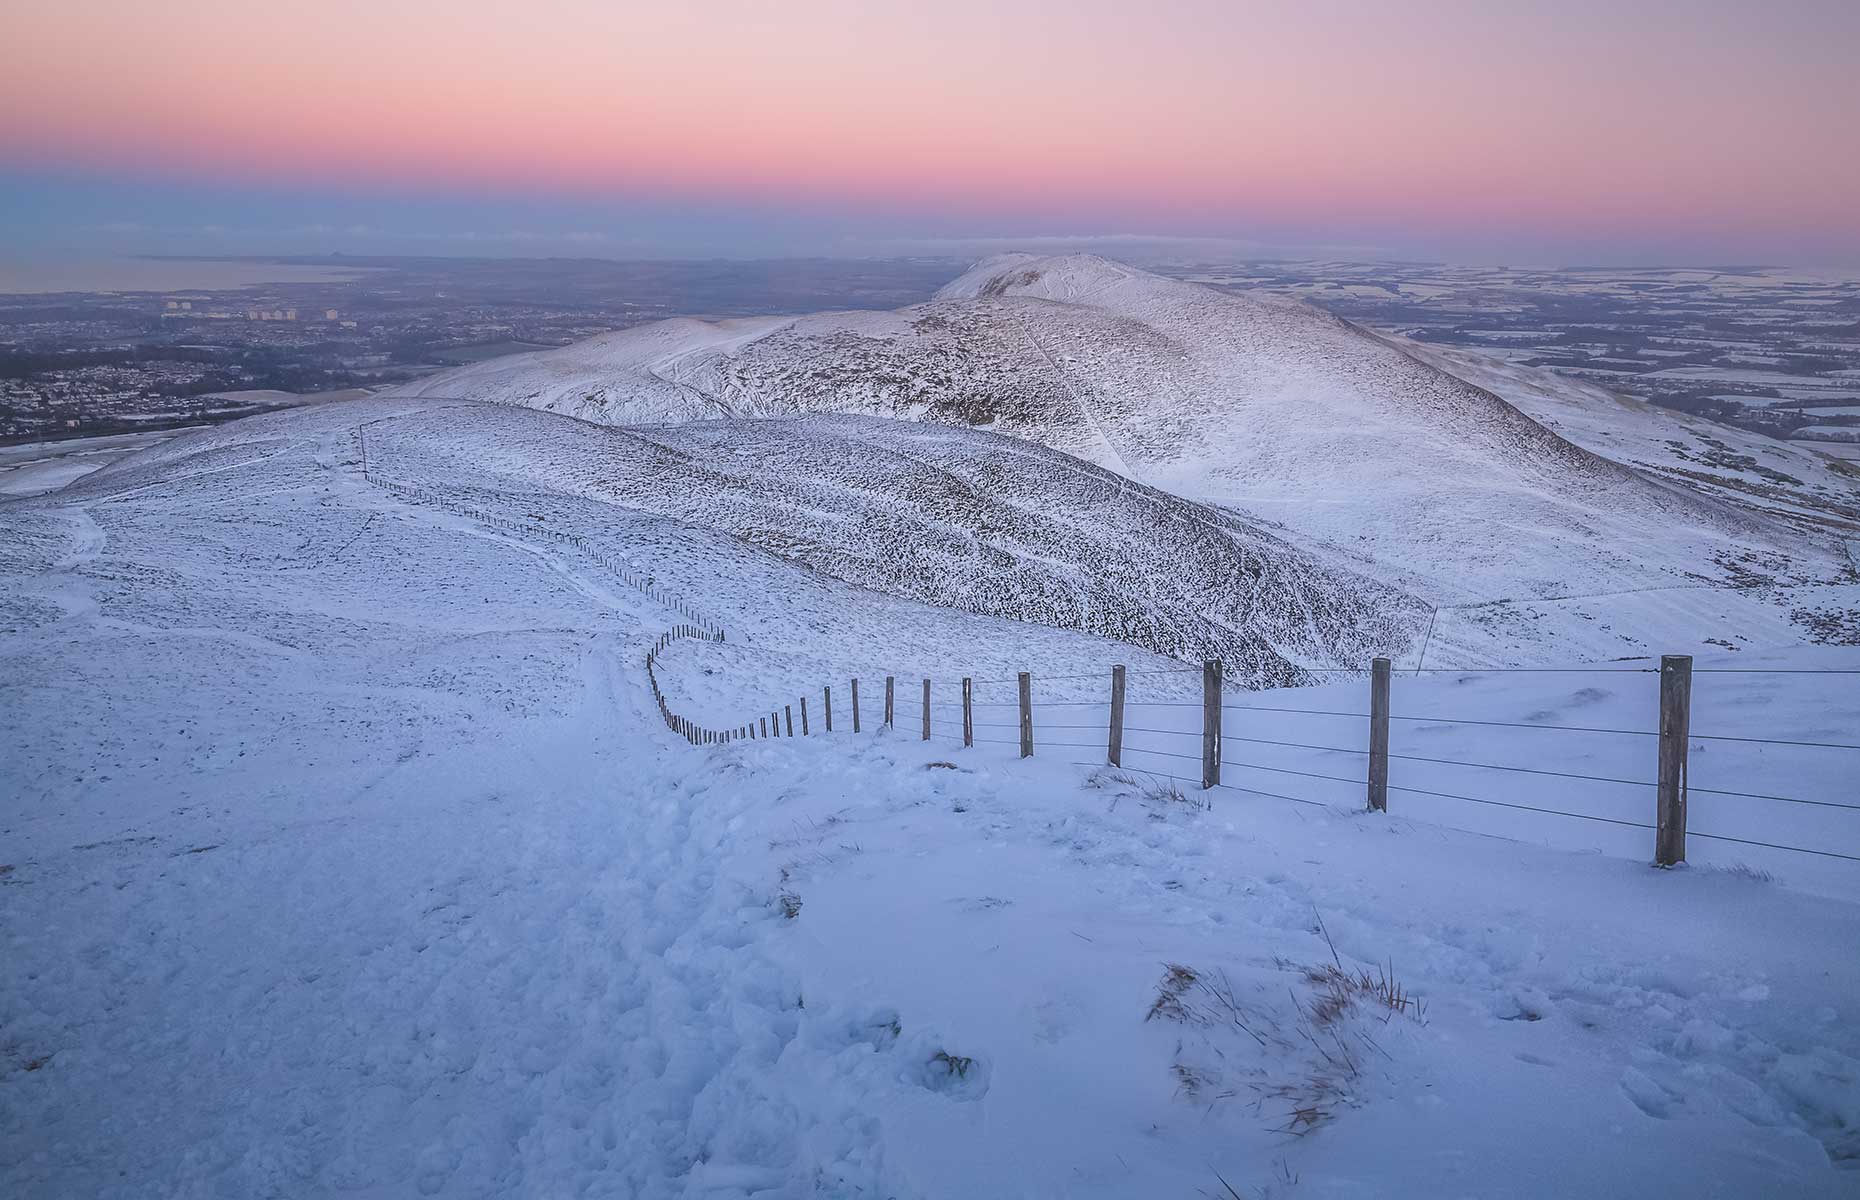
[[346, 854], [1348, 441], [955, 517]]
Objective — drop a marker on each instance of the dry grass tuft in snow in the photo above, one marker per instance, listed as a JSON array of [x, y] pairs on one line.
[[1744, 871], [1306, 1064], [1158, 791], [1341, 993]]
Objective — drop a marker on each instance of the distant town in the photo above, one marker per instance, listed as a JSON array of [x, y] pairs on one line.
[[84, 363], [1773, 351]]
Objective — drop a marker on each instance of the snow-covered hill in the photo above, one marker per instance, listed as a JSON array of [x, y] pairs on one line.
[[956, 517], [342, 851], [1349, 442]]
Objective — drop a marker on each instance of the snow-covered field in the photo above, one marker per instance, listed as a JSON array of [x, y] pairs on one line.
[[345, 852], [29, 468]]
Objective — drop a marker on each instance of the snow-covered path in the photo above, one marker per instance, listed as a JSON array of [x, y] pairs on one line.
[[505, 960], [519, 972]]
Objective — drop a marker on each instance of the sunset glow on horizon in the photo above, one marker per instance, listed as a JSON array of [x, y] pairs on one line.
[[1723, 125]]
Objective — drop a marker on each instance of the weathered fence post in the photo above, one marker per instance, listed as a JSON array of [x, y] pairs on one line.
[[789, 709], [826, 694], [888, 689], [926, 710], [968, 712], [1026, 715], [775, 720], [1115, 752], [855, 688], [1379, 735], [765, 726], [1210, 723], [803, 716], [1669, 845]]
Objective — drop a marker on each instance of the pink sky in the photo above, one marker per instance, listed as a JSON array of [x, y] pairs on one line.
[[1583, 118]]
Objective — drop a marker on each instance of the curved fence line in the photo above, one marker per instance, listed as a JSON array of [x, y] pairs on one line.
[[696, 625], [1163, 748], [1673, 733]]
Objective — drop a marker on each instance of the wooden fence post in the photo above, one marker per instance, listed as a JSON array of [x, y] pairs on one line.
[[789, 709], [1210, 723], [1669, 844], [826, 694], [1379, 735], [1026, 715], [765, 726], [775, 720], [888, 690], [803, 716], [855, 688], [968, 712], [926, 710], [1115, 752]]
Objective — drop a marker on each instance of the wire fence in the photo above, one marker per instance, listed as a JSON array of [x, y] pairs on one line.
[[1220, 731], [1338, 756]]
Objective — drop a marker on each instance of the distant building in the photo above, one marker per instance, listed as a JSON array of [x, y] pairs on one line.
[[330, 314], [290, 314]]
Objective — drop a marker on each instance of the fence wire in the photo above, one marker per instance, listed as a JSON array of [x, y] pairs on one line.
[[698, 626]]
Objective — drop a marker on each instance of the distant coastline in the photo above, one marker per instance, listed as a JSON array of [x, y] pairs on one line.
[[57, 276]]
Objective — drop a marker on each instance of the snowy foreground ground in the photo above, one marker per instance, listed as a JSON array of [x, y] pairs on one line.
[[342, 852]]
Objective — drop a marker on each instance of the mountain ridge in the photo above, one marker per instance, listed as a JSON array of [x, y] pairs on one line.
[[1352, 442]]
